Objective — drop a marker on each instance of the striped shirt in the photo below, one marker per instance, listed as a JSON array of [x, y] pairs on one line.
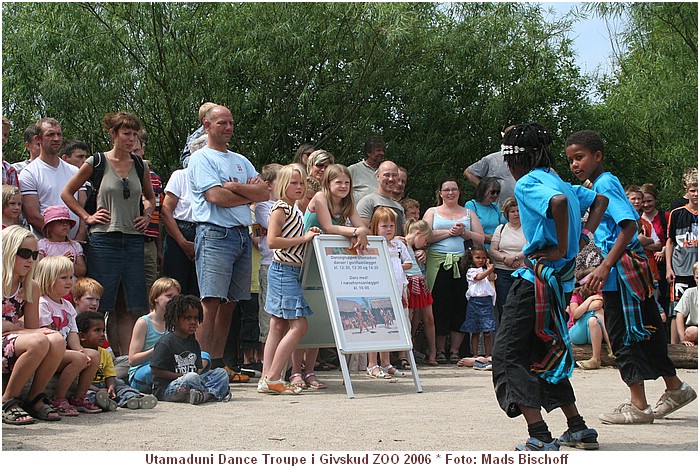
[[293, 227]]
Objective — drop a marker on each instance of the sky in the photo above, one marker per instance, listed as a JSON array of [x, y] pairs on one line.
[[591, 39]]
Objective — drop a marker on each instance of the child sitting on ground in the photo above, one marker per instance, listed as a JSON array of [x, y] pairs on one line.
[[586, 321], [147, 331], [176, 361], [54, 275], [57, 225], [107, 391]]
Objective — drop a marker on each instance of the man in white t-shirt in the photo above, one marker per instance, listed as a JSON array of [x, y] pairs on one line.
[[43, 180]]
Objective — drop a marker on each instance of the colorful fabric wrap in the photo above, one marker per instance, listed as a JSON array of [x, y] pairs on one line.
[[435, 259], [551, 324], [636, 285]]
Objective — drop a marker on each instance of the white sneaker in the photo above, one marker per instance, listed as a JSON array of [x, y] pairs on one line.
[[627, 413], [671, 400]]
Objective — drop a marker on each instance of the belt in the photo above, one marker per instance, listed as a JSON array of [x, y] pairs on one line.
[[186, 224]]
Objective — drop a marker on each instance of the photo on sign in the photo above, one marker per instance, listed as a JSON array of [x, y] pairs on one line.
[[369, 320]]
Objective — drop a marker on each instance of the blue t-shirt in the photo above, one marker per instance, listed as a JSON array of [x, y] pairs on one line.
[[619, 209], [533, 192], [209, 168], [489, 215]]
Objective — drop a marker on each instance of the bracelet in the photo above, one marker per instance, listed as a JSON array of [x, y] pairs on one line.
[[354, 232], [587, 233]]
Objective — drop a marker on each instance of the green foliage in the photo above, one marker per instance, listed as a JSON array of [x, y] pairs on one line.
[[437, 81], [648, 114]]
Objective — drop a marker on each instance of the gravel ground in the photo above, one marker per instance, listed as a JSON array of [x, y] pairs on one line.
[[456, 411]]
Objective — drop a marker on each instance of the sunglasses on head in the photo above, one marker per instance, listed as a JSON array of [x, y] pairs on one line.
[[27, 253]]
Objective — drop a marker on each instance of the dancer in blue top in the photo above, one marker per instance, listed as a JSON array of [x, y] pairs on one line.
[[532, 358]]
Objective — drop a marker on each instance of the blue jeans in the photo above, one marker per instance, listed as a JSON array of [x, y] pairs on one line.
[[504, 281], [176, 264], [124, 393], [224, 262], [118, 258], [214, 381]]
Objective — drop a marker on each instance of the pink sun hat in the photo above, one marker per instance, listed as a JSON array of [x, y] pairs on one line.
[[57, 213]]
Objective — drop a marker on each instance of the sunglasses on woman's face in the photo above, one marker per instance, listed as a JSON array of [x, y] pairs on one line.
[[27, 253]]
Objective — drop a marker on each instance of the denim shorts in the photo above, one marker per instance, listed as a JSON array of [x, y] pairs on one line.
[[285, 298], [118, 258], [224, 262]]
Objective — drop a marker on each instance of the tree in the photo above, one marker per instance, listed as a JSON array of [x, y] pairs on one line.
[[649, 108]]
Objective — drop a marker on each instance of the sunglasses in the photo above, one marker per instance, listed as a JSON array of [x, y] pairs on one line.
[[495, 192], [27, 253], [126, 192]]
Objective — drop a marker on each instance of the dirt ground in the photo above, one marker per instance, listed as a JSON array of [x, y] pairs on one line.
[[456, 411]]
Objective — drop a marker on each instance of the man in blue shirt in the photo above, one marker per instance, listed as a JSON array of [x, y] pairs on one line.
[[223, 184]]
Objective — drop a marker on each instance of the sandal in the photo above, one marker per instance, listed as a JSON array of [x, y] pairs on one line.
[[441, 358], [378, 375], [393, 371], [45, 411], [298, 381], [64, 408], [313, 383], [589, 364], [431, 363], [454, 358], [404, 364], [12, 413]]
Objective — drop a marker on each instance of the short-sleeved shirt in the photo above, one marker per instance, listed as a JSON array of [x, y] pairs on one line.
[[293, 226], [533, 192], [9, 174], [683, 230], [57, 316], [490, 216], [366, 207], [493, 165], [619, 209], [399, 255], [688, 306], [262, 217], [174, 354], [510, 241], [179, 185], [364, 180], [209, 168], [47, 182], [106, 368]]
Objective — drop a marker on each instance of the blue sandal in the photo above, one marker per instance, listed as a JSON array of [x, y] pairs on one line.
[[586, 439], [533, 444]]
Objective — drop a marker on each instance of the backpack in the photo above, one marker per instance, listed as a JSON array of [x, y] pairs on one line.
[[98, 171]]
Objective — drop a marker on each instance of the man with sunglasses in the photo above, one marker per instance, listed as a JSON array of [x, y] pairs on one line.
[[492, 165], [42, 181]]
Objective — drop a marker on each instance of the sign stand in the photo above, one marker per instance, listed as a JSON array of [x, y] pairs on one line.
[[361, 299]]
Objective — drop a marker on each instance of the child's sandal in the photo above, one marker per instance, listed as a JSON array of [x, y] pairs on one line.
[[393, 371], [45, 411], [376, 372], [64, 408]]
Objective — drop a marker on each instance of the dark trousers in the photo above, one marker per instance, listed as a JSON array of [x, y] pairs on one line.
[[515, 349], [644, 360]]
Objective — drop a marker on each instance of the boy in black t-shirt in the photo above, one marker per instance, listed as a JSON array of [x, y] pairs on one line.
[[176, 362]]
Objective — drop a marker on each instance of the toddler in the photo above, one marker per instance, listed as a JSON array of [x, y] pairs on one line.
[[107, 391], [57, 225], [481, 299]]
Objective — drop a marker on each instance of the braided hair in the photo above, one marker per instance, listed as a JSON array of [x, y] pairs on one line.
[[178, 306], [527, 146]]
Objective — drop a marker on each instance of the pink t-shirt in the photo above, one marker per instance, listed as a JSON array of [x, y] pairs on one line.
[[57, 316]]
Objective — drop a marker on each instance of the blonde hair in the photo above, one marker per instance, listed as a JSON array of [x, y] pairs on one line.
[[12, 238], [8, 191], [320, 156], [381, 213], [160, 286], [695, 268], [284, 177], [86, 285], [48, 271], [204, 108], [690, 178], [312, 185], [418, 225]]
